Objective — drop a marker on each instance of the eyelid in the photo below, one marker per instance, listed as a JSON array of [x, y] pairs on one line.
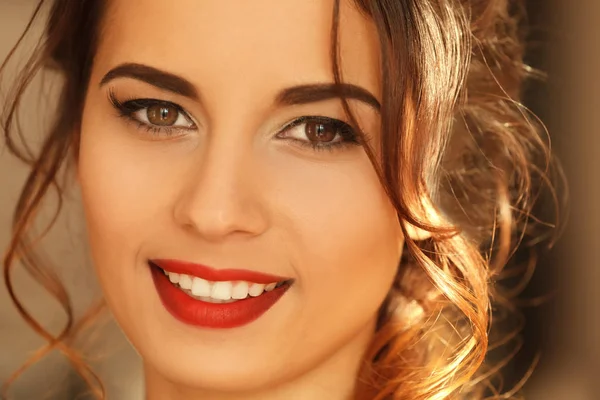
[[126, 110], [143, 103], [349, 136], [311, 118], [152, 102]]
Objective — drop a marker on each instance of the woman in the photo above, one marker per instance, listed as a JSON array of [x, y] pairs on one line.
[[291, 200]]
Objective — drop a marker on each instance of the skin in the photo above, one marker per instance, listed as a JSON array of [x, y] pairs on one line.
[[230, 194]]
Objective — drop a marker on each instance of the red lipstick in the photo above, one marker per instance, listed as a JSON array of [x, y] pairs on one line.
[[214, 315], [215, 275]]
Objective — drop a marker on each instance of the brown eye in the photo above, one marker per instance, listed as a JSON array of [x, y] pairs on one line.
[[320, 132], [156, 116], [162, 114]]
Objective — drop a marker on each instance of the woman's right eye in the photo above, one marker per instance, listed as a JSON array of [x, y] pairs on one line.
[[162, 115], [156, 116]]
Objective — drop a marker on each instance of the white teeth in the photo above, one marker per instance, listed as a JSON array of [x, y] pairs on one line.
[[240, 290], [201, 287], [185, 281], [221, 291], [216, 301], [256, 289], [173, 277]]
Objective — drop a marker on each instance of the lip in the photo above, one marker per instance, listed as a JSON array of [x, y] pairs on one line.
[[202, 314], [216, 275]]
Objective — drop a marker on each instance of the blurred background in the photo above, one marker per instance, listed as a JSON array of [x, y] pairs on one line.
[[564, 331]]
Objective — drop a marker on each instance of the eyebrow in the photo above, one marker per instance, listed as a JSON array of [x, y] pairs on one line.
[[301, 94], [323, 91], [155, 77]]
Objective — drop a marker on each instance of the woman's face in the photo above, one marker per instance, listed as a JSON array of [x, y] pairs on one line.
[[223, 147]]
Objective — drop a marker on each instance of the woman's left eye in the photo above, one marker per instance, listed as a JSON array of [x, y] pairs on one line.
[[154, 115], [319, 133]]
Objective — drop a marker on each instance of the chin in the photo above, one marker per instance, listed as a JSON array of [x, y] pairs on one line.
[[214, 370], [240, 359]]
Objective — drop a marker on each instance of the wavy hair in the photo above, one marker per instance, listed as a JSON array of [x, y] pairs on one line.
[[461, 158]]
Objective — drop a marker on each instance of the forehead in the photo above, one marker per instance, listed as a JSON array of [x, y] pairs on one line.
[[262, 43]]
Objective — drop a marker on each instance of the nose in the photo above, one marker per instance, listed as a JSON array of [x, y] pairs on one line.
[[222, 196]]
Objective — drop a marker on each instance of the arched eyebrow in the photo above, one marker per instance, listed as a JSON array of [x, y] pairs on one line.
[[153, 76], [301, 94], [324, 91]]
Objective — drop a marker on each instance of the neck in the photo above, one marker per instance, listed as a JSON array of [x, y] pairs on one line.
[[333, 379]]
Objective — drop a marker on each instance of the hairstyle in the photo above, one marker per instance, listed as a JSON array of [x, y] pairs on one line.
[[460, 158]]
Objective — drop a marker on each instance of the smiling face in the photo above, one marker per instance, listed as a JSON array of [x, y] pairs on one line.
[[223, 146]]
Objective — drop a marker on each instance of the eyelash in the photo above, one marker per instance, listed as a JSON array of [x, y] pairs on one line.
[[129, 107], [348, 134]]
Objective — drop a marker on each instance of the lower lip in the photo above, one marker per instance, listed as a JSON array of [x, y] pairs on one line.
[[212, 315]]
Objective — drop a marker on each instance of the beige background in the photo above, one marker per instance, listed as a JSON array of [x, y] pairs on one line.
[[566, 372]]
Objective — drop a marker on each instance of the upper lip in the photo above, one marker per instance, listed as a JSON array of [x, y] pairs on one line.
[[215, 275]]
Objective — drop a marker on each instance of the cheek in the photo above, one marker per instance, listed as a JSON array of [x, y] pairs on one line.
[[126, 182], [119, 181], [346, 246], [114, 185], [345, 221]]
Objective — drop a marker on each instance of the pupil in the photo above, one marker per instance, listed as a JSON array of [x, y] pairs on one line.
[[320, 130], [164, 113]]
